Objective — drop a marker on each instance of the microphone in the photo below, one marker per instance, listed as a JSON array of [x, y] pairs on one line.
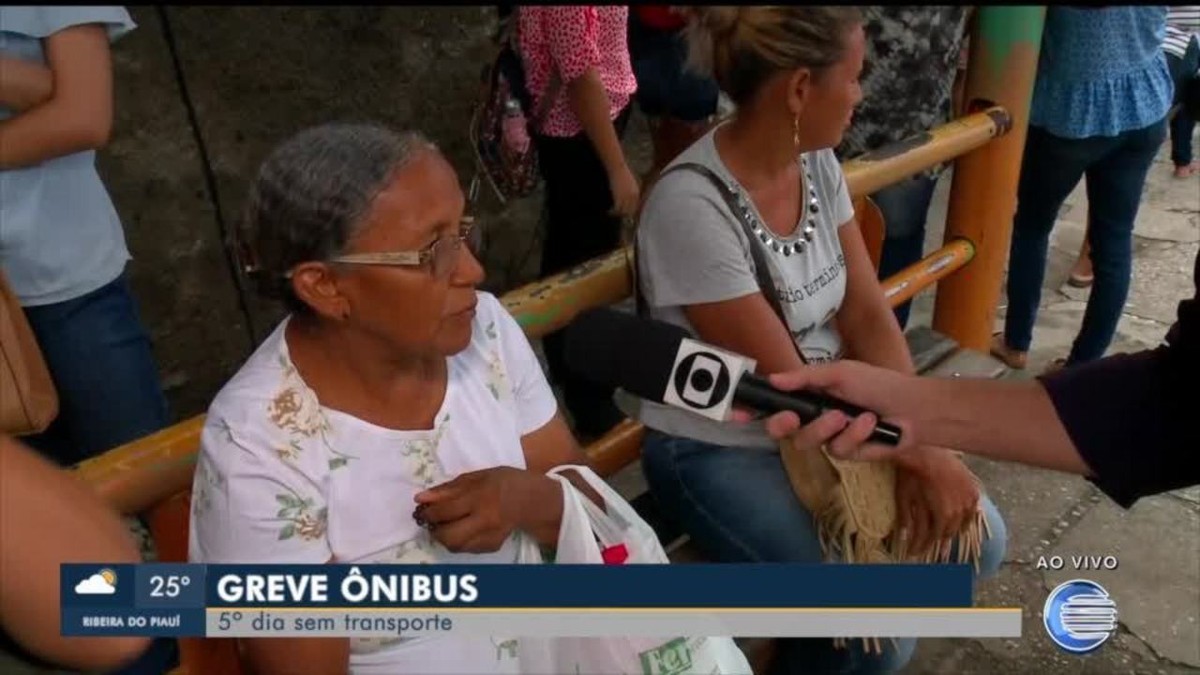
[[661, 362]]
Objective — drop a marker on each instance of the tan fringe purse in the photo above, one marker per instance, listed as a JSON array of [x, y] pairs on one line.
[[854, 505]]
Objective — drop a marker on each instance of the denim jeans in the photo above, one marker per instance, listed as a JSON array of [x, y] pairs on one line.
[[102, 365], [100, 359], [905, 206], [738, 506], [1116, 168], [1182, 125]]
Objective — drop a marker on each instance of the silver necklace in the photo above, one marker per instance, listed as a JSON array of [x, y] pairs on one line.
[[796, 243]]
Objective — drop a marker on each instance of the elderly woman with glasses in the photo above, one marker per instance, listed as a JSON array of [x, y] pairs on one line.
[[396, 415]]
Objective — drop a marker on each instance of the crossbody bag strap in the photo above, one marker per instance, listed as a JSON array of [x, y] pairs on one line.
[[741, 213]]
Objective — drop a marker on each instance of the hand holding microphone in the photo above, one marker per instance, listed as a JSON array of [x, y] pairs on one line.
[[848, 437], [660, 362]]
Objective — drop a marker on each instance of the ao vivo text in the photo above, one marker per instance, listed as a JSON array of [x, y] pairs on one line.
[[355, 588], [1088, 563]]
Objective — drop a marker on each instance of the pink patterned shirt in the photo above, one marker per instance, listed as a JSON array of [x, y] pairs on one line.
[[573, 38]]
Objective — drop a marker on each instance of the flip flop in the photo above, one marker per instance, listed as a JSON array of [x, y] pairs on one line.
[[1080, 280]]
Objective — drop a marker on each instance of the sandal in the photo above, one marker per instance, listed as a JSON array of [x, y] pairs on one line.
[[1077, 280], [1081, 272], [1010, 357], [1054, 366]]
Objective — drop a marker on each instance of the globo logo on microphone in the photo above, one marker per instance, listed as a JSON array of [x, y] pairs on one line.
[[703, 379]]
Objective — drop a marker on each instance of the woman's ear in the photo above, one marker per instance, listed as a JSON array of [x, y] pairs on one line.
[[799, 90], [314, 284]]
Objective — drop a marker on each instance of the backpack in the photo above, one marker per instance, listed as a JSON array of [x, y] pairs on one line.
[[502, 125]]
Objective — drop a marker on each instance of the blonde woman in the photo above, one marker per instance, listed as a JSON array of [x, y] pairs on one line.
[[793, 74]]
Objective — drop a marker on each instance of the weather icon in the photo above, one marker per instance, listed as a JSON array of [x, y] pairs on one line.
[[103, 582]]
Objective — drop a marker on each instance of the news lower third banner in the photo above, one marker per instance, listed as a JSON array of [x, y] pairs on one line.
[[752, 600]]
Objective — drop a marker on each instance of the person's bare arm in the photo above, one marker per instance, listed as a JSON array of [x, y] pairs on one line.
[[24, 84], [590, 104], [865, 320], [48, 517], [747, 326], [1001, 419], [571, 43], [1019, 425], [78, 115], [552, 445]]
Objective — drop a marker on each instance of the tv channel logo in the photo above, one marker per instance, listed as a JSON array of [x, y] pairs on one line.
[[703, 379], [1080, 616]]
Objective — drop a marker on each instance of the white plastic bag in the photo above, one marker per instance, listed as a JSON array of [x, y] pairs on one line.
[[583, 523]]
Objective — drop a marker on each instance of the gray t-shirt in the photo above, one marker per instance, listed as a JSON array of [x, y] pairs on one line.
[[691, 250]]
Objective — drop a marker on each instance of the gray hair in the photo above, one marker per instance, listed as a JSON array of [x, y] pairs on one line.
[[312, 194]]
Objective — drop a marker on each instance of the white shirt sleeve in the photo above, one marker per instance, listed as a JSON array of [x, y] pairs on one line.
[[535, 402], [251, 505], [42, 22]]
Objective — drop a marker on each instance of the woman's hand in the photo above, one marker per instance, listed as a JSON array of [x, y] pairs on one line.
[[626, 193], [936, 497], [478, 511], [894, 396]]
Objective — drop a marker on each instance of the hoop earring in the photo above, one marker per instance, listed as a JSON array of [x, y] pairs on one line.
[[796, 132]]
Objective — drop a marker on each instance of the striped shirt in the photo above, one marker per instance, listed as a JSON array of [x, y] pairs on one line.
[[1183, 25]]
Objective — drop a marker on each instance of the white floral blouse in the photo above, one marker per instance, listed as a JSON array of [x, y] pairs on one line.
[[281, 479]]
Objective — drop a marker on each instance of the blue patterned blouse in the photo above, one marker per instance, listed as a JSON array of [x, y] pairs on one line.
[[1102, 71]]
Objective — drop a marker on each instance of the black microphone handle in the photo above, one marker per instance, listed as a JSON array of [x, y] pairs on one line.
[[757, 393]]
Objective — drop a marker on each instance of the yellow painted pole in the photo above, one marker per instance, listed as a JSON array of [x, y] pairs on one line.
[[1005, 45]]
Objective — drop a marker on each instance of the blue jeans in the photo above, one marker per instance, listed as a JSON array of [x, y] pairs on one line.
[[1182, 125], [905, 207], [100, 359], [738, 506], [1116, 168]]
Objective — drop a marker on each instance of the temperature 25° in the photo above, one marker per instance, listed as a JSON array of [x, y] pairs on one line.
[[168, 586]]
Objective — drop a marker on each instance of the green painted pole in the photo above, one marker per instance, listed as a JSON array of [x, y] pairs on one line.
[[1002, 66]]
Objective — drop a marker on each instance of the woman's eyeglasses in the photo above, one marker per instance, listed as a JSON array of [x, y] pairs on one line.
[[441, 256]]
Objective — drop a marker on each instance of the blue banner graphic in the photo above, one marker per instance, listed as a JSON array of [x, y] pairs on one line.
[[175, 599]]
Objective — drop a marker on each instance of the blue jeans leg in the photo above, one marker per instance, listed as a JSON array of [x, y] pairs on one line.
[[1183, 125], [1052, 166], [1114, 190], [738, 506], [100, 359], [905, 207], [1182, 128]]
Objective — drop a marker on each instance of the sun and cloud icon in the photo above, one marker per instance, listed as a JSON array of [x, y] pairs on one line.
[[103, 582]]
